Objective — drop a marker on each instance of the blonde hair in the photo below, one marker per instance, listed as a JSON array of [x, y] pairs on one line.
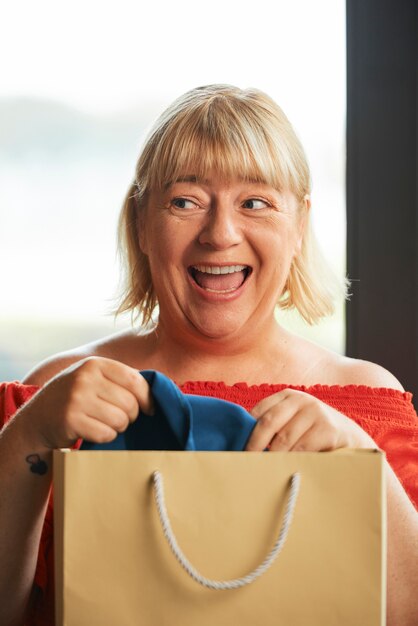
[[237, 134]]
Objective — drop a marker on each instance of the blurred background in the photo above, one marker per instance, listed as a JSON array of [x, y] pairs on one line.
[[81, 83]]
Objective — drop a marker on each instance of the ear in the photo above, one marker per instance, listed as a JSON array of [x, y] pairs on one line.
[[302, 222]]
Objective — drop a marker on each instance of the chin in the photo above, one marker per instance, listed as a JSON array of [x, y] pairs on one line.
[[217, 330]]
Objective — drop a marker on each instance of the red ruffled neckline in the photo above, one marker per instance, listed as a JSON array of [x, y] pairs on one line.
[[317, 388], [358, 390]]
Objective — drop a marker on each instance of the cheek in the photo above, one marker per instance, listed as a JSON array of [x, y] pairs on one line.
[[166, 249], [151, 238], [294, 238], [143, 218], [280, 241]]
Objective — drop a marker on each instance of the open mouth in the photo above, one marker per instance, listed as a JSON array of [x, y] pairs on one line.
[[220, 278]]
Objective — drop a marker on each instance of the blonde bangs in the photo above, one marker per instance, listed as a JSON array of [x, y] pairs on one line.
[[228, 138]]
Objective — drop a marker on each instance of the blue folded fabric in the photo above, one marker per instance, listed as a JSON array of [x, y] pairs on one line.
[[183, 422]]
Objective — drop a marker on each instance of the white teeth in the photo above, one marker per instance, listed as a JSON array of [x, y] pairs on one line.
[[226, 269]]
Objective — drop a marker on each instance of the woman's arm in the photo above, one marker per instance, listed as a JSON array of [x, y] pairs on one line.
[[402, 548], [23, 500], [94, 399], [293, 420]]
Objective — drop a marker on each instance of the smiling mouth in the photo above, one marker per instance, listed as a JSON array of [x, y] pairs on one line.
[[220, 278]]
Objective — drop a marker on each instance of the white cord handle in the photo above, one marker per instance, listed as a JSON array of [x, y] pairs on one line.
[[236, 582]]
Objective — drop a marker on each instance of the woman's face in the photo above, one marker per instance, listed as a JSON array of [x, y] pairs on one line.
[[219, 253]]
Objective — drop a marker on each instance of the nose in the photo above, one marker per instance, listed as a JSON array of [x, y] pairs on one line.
[[221, 229]]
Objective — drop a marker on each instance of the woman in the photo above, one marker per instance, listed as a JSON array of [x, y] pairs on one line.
[[215, 230]]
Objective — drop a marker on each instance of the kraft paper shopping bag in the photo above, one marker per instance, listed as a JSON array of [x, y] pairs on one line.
[[114, 564]]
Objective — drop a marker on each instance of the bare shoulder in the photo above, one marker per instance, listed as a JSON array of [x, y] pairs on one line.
[[357, 372], [117, 347], [50, 367], [323, 366]]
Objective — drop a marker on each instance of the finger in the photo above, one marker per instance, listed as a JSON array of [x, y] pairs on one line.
[[316, 439], [142, 391], [109, 414], [95, 431], [268, 403], [130, 379], [295, 396], [291, 433], [268, 424], [119, 397]]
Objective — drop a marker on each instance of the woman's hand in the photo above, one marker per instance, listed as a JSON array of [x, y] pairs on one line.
[[294, 420], [93, 399]]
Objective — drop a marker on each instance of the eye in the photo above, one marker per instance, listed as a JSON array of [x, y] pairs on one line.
[[255, 203], [183, 203]]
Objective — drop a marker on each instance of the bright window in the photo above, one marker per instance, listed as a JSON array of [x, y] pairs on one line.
[[83, 82]]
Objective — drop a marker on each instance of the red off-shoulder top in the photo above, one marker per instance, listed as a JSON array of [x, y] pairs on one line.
[[387, 415]]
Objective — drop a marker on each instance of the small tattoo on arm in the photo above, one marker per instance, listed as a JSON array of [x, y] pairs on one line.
[[37, 466]]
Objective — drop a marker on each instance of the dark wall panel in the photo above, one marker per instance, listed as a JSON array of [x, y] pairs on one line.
[[382, 207]]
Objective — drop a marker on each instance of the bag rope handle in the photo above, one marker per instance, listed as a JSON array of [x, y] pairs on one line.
[[235, 583]]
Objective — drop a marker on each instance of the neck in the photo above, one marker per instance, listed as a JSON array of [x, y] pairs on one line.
[[251, 356]]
